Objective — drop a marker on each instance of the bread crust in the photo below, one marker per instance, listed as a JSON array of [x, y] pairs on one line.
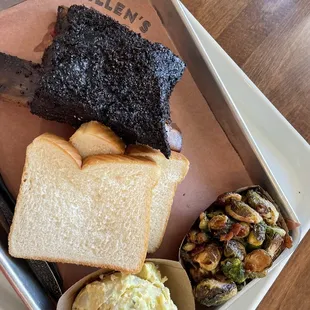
[[176, 156], [68, 261], [101, 132], [63, 144], [148, 152], [122, 159]]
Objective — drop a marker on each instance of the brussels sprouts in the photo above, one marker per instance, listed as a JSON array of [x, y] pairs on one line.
[[273, 245], [198, 274], [257, 235], [187, 247], [271, 230], [202, 237], [225, 198], [233, 230], [209, 258], [257, 261], [242, 241], [211, 214], [203, 221], [187, 258], [263, 206], [198, 249], [197, 237], [211, 292], [218, 222], [256, 275], [234, 241], [228, 232], [225, 237], [233, 269], [242, 212], [240, 286], [244, 231], [192, 236], [233, 248]]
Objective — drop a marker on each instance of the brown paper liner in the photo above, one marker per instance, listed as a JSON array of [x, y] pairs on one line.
[[215, 166]]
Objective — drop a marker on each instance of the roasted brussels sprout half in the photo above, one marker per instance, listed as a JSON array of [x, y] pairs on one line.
[[218, 222], [229, 232], [274, 245], [225, 198], [197, 237], [226, 237], [233, 269], [215, 213], [198, 249], [242, 212], [244, 230], [233, 248], [257, 235], [256, 275], [257, 261], [237, 231], [263, 206], [203, 221], [192, 236], [232, 231], [275, 230], [198, 274], [187, 247], [211, 292], [209, 258], [202, 237]]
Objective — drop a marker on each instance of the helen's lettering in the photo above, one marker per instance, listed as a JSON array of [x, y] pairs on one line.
[[107, 5], [130, 16], [119, 8], [145, 26]]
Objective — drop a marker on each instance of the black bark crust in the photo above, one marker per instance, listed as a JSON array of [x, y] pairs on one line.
[[98, 69]]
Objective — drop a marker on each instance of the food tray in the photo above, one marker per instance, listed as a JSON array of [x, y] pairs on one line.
[[212, 88]]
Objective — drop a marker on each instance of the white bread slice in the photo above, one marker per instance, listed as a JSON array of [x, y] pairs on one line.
[[95, 214], [173, 171], [94, 138]]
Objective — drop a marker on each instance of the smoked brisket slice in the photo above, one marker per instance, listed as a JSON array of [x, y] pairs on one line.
[[97, 69]]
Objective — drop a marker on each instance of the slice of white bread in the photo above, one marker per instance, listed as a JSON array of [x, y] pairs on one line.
[[173, 171], [95, 213], [94, 138]]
